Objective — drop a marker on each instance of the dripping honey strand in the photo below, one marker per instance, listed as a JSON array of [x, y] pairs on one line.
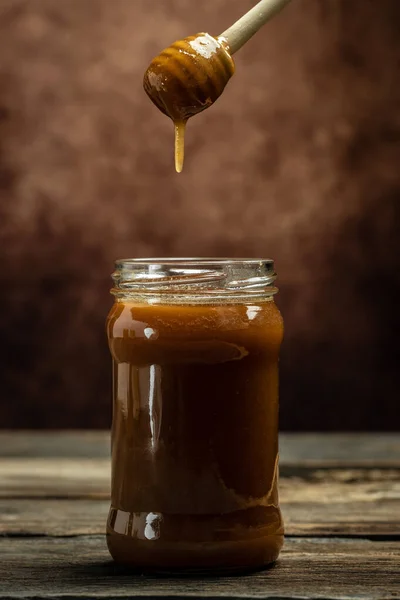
[[179, 127]]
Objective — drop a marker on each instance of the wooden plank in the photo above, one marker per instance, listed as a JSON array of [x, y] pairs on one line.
[[80, 567], [343, 449], [55, 477], [80, 517], [55, 444], [53, 517], [348, 449], [337, 502], [86, 478], [67, 476]]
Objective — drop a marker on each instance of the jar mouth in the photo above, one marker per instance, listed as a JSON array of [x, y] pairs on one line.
[[193, 279], [191, 260]]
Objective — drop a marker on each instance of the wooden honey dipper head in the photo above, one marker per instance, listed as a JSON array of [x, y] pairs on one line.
[[189, 75], [186, 78]]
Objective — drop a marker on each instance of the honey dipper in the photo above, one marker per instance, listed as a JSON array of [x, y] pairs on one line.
[[191, 74]]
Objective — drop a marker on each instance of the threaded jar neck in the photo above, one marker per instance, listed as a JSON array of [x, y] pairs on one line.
[[194, 280]]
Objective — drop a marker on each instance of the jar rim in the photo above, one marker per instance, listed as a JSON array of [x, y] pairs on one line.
[[197, 260]]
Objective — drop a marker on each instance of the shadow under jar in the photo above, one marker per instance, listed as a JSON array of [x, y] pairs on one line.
[[195, 346]]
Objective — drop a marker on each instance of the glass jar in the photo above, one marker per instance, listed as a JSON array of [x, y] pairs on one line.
[[195, 346]]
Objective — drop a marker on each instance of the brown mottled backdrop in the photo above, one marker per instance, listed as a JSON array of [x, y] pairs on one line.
[[300, 161]]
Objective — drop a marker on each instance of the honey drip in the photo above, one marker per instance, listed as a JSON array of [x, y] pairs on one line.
[[180, 127]]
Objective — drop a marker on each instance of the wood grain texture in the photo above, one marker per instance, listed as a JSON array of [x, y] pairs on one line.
[[55, 444], [54, 500], [55, 477], [63, 477], [325, 449], [309, 568], [340, 504]]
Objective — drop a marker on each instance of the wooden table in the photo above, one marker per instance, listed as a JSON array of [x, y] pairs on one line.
[[340, 496]]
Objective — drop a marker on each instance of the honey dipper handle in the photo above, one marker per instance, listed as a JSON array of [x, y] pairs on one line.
[[241, 31]]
